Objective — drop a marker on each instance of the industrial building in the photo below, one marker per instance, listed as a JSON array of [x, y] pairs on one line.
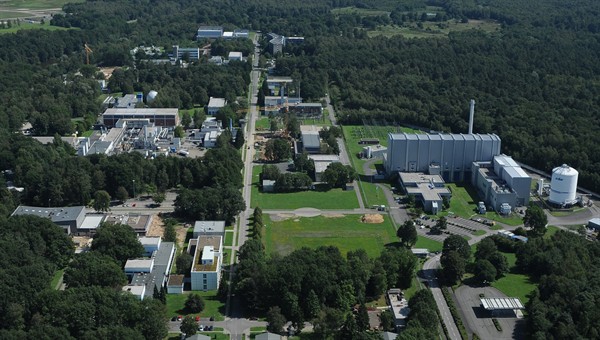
[[311, 141], [208, 258], [69, 218], [277, 83], [430, 190], [235, 56], [209, 32], [160, 117], [274, 104], [321, 164], [501, 183], [209, 228], [448, 155], [563, 186], [191, 53], [147, 273], [214, 105]]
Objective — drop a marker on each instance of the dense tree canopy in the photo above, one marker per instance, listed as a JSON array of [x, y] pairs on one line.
[[118, 241]]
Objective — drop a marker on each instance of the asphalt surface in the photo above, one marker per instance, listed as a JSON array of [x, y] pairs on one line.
[[478, 320]]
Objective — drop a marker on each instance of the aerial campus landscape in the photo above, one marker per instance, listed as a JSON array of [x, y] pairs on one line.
[[261, 169]]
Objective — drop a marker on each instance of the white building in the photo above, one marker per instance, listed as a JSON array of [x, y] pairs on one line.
[[150, 244], [237, 56], [208, 258], [175, 284], [399, 306], [138, 291], [209, 228], [215, 104]]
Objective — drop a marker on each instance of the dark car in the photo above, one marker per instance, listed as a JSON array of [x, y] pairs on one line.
[[174, 318]]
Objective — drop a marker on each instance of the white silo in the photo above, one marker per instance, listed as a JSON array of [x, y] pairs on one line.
[[563, 186]]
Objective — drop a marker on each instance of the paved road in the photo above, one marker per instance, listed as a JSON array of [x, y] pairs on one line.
[[428, 272], [234, 324]]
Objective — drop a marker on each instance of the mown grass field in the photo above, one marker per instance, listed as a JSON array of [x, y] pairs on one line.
[[347, 233], [26, 25], [36, 4], [214, 307], [424, 242], [228, 239], [331, 199], [514, 284]]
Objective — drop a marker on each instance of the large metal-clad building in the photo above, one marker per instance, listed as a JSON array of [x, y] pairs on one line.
[[449, 155]]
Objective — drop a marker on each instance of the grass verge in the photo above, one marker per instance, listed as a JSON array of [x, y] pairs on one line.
[[214, 307], [459, 324]]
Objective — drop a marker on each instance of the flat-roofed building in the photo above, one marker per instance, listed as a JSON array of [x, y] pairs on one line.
[[150, 244], [160, 117], [90, 224], [138, 291], [139, 223], [69, 218], [237, 56], [175, 284], [311, 141], [191, 53], [501, 181], [429, 189], [139, 266], [322, 162], [152, 271], [453, 154], [209, 228], [399, 306], [209, 32], [277, 83], [206, 267], [215, 104]]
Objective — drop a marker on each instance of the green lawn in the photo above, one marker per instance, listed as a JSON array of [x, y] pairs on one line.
[[347, 233], [26, 25], [514, 284], [372, 194], [228, 239], [214, 307], [263, 123], [424, 242], [37, 4], [87, 133], [56, 278], [331, 199], [551, 230]]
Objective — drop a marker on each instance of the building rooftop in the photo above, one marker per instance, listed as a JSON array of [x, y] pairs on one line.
[[210, 28], [431, 187], [399, 306], [57, 215], [175, 280], [127, 101], [217, 102], [72, 141], [235, 55], [139, 223], [275, 79], [204, 241], [268, 336], [141, 111], [501, 303], [134, 264], [135, 290], [212, 227], [149, 241], [324, 158], [442, 136], [162, 265], [91, 222]]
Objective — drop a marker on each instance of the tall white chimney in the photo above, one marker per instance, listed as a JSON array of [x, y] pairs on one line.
[[471, 115]]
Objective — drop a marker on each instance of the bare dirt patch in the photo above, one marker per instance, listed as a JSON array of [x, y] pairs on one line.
[[157, 227], [332, 215], [181, 232], [281, 217], [372, 218]]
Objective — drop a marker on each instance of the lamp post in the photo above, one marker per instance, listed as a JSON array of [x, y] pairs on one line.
[[133, 181]]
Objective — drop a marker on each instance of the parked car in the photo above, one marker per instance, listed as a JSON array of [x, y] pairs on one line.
[[174, 318], [197, 318], [201, 328], [179, 318]]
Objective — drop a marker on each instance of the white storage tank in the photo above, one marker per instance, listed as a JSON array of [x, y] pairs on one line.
[[563, 186]]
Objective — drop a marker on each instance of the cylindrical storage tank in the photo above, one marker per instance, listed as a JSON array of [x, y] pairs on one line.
[[563, 186], [367, 152]]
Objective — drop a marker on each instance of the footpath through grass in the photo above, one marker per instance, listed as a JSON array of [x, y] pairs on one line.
[[345, 232], [330, 199]]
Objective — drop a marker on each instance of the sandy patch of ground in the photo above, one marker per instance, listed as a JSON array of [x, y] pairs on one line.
[[157, 227], [372, 218], [181, 232], [332, 215]]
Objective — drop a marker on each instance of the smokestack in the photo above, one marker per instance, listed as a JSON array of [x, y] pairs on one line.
[[471, 114]]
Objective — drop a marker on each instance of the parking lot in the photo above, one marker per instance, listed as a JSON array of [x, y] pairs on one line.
[[455, 226]]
